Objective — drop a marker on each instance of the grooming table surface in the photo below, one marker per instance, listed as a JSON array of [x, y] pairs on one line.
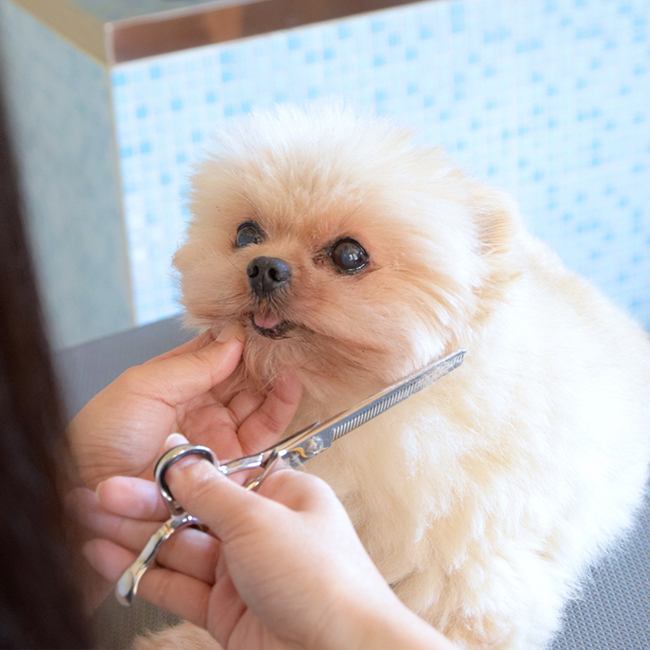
[[611, 613]]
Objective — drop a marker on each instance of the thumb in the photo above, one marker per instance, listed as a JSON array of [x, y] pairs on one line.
[[220, 503], [177, 379]]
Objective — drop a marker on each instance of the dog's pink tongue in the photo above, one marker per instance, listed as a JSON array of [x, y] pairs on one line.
[[266, 321]]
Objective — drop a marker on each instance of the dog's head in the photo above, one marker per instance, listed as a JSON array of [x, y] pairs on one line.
[[347, 253]]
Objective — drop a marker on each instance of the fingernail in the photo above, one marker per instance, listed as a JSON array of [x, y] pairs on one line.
[[174, 440], [230, 331]]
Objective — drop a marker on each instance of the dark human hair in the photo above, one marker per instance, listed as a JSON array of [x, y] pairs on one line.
[[40, 597]]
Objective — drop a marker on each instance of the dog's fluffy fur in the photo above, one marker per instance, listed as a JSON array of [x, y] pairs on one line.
[[482, 499]]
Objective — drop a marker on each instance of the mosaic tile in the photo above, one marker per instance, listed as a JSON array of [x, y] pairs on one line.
[[546, 99], [488, 79]]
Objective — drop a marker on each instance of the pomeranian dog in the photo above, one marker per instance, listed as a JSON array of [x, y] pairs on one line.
[[355, 257]]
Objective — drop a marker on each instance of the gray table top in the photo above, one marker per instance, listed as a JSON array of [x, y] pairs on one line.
[[611, 613]]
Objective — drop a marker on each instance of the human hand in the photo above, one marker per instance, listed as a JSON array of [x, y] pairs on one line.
[[288, 571], [122, 429]]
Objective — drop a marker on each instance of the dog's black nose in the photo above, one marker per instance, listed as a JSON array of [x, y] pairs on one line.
[[266, 274]]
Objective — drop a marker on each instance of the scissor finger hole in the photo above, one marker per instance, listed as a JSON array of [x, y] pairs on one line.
[[167, 460]]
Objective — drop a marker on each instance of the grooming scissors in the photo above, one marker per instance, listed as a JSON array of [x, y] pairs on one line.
[[294, 451]]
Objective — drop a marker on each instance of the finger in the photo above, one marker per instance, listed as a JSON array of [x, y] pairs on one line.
[[177, 379], [129, 496], [190, 551], [266, 424], [176, 592], [229, 331], [298, 491], [229, 510], [243, 404], [224, 507], [110, 560], [220, 609], [185, 596], [78, 500], [132, 534], [132, 497]]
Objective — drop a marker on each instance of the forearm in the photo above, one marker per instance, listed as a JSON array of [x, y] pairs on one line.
[[403, 629], [381, 623]]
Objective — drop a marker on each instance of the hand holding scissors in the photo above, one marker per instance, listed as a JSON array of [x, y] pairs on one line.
[[295, 450]]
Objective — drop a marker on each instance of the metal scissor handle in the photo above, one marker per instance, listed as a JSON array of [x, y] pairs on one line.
[[167, 460], [127, 586]]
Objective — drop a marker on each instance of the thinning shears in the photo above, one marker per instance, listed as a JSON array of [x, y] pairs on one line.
[[294, 451]]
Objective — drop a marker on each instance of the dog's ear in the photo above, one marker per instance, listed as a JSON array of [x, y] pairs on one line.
[[497, 218]]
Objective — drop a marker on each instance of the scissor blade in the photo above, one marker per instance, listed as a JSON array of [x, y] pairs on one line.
[[311, 441]]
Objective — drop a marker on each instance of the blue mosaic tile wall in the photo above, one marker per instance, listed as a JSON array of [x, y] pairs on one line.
[[547, 99]]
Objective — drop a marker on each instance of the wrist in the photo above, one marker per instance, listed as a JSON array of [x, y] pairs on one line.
[[381, 624]]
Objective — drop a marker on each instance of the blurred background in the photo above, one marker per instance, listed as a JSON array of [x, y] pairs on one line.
[[111, 101]]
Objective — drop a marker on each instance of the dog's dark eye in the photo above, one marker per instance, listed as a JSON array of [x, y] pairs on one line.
[[349, 256], [248, 233]]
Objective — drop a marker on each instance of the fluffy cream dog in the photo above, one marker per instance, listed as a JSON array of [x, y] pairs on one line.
[[354, 257]]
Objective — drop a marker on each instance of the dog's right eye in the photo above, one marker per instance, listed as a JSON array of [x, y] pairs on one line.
[[248, 233], [349, 256]]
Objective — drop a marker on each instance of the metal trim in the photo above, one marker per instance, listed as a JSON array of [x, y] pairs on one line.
[[154, 35], [174, 30]]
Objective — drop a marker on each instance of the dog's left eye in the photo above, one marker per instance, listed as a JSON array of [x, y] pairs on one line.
[[248, 233], [349, 256]]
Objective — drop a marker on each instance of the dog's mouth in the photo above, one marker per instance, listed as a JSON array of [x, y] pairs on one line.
[[270, 325]]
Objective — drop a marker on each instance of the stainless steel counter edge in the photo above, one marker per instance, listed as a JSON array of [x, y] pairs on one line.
[[176, 29]]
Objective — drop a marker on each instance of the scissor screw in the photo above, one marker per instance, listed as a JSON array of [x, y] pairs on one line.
[[314, 446]]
